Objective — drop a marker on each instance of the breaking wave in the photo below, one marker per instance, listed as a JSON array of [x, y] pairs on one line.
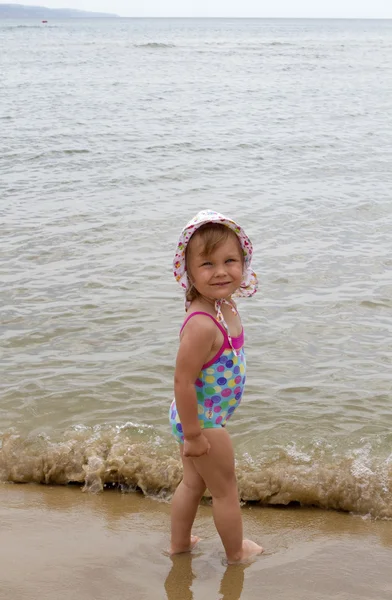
[[99, 458]]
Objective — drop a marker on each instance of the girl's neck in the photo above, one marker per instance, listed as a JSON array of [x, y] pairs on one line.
[[209, 304]]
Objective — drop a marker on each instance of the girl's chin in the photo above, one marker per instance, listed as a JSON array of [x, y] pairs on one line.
[[222, 292]]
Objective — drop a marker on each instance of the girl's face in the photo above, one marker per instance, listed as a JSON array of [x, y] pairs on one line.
[[219, 274]]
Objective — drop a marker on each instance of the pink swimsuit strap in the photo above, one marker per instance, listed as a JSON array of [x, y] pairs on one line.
[[238, 341]]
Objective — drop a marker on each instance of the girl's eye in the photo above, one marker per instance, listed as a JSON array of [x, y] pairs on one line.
[[231, 260], [206, 264]]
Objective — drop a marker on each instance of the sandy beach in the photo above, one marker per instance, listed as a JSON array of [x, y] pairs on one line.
[[60, 543]]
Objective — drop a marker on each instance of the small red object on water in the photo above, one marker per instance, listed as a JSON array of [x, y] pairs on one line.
[[44, 21]]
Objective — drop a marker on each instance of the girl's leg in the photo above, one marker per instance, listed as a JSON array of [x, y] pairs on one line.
[[184, 507], [217, 470]]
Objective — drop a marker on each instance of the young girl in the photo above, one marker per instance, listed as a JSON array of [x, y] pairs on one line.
[[213, 265]]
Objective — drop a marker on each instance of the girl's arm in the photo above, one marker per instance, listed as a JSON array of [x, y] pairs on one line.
[[195, 346]]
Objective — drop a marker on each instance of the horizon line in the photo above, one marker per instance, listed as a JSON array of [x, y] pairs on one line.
[[324, 18], [239, 18], [117, 16], [257, 17]]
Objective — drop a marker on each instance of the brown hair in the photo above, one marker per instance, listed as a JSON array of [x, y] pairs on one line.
[[212, 235]]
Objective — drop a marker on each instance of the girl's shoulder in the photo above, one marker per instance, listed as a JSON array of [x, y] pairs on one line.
[[198, 323], [199, 318]]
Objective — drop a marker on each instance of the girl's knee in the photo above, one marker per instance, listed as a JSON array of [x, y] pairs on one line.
[[224, 488], [195, 486]]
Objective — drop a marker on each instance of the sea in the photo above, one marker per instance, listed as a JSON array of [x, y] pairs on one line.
[[114, 133]]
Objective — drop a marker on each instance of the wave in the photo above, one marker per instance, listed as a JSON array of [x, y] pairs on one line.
[[238, 47], [42, 26], [154, 45], [58, 153], [120, 457]]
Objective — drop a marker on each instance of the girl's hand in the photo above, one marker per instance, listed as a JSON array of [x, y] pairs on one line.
[[197, 446]]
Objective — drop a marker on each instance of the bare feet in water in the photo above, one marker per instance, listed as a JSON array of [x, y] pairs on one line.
[[194, 541], [249, 550]]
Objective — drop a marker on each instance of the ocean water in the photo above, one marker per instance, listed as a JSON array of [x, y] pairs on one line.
[[113, 134]]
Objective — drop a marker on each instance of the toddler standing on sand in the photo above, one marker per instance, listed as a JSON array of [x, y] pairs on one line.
[[213, 265]]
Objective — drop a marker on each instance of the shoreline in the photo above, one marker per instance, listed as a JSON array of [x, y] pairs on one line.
[[80, 545]]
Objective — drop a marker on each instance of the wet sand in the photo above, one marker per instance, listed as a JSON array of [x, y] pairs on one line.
[[59, 543]]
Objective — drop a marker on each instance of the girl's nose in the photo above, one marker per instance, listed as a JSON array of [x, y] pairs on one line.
[[220, 270]]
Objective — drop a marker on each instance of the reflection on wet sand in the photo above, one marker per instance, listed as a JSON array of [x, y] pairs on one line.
[[180, 578], [233, 582], [178, 584]]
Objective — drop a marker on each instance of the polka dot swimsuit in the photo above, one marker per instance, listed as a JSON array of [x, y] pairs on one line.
[[219, 386]]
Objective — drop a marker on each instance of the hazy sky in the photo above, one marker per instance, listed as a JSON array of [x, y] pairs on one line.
[[227, 8]]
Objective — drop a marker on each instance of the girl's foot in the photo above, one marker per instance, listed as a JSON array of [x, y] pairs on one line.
[[249, 550], [194, 540]]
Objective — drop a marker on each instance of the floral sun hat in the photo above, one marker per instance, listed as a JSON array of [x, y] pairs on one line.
[[249, 283]]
